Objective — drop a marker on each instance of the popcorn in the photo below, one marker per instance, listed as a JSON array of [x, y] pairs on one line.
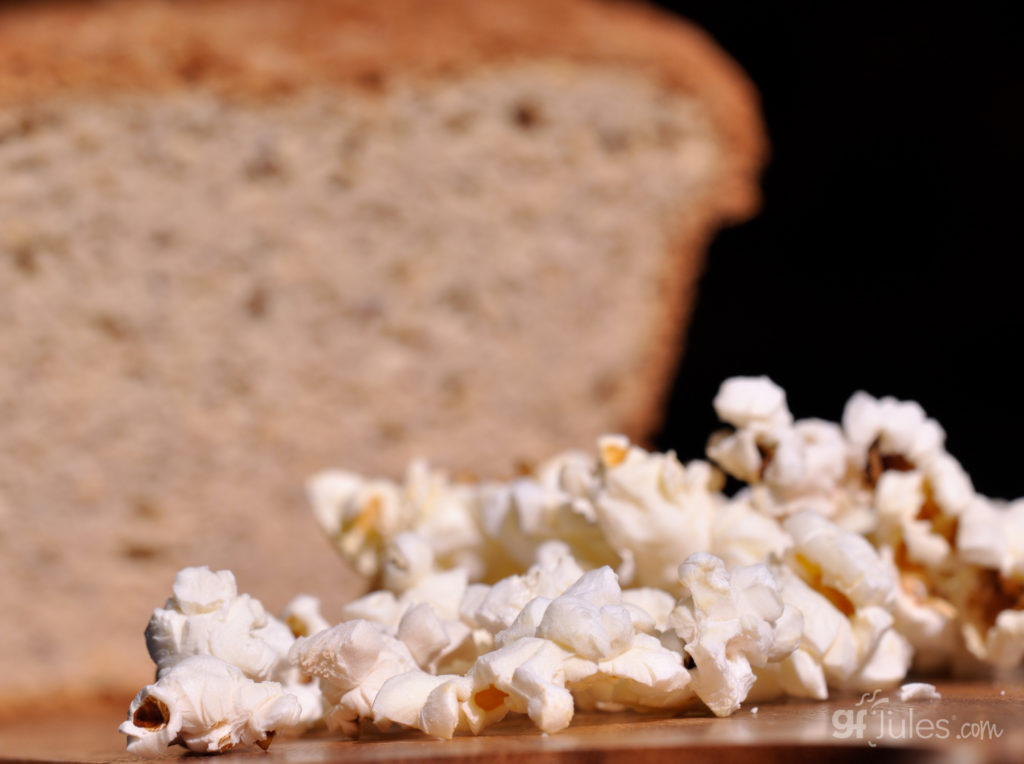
[[850, 549], [526, 676], [799, 675], [843, 565], [451, 706], [302, 616], [430, 640], [991, 534], [402, 697], [919, 512], [756, 407], [363, 516], [496, 608], [426, 614], [583, 641], [522, 676], [352, 660], [888, 434], [808, 462], [988, 589], [647, 675], [742, 536], [888, 662], [207, 616], [791, 467], [992, 625], [438, 705], [847, 596], [729, 624], [918, 691], [920, 509], [927, 619], [827, 639], [755, 402], [648, 607], [408, 561], [554, 504], [208, 706], [654, 511]]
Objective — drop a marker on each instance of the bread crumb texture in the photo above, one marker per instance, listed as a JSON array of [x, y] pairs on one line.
[[237, 247]]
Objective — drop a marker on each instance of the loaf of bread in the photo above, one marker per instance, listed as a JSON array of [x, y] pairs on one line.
[[244, 241]]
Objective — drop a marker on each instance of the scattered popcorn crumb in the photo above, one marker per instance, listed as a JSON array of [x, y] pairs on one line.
[[918, 691], [754, 710]]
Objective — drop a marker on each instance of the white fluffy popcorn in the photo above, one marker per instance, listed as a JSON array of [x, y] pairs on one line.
[[206, 616], [525, 676], [885, 429], [425, 615], [438, 705], [790, 466], [756, 408], [925, 618], [1002, 644], [989, 591], [752, 402], [648, 675], [842, 561], [495, 608], [363, 516], [806, 468], [920, 509], [849, 549], [352, 661], [613, 662], [992, 615], [556, 504], [208, 706], [808, 461], [302, 615], [846, 592], [991, 534], [742, 536], [649, 608], [654, 511], [588, 619], [581, 648], [730, 624]]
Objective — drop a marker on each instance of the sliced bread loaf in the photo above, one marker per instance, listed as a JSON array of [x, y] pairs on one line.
[[244, 241]]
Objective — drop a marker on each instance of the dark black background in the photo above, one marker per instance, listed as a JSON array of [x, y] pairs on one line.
[[885, 257]]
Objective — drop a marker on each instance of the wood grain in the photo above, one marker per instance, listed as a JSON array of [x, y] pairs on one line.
[[777, 732]]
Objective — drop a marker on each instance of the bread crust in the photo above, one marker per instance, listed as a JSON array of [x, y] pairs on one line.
[[268, 48]]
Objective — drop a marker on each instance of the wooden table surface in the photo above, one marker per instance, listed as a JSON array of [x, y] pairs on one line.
[[978, 721]]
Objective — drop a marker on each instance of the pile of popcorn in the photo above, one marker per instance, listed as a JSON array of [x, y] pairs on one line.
[[617, 580]]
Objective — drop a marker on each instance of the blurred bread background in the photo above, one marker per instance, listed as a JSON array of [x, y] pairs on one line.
[[241, 242]]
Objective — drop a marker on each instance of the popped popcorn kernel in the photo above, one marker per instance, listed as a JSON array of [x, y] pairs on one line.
[[812, 574], [152, 714], [208, 706], [613, 450]]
